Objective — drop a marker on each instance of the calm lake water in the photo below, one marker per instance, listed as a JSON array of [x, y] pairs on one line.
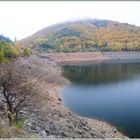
[[107, 91]]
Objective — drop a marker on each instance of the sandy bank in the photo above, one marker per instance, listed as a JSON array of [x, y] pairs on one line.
[[49, 117]]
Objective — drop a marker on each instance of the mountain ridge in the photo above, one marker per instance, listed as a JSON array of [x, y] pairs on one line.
[[89, 34]]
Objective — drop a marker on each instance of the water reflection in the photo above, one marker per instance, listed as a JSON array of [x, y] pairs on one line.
[[102, 73], [107, 91]]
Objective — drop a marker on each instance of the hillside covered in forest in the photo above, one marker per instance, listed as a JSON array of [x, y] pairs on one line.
[[10, 50], [86, 35]]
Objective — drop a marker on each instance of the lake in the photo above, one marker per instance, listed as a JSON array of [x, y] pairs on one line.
[[110, 92]]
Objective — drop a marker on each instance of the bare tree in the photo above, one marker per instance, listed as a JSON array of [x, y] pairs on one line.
[[17, 89]]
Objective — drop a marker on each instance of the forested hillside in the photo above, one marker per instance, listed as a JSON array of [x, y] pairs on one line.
[[10, 50], [86, 35]]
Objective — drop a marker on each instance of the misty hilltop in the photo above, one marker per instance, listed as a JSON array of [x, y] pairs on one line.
[[86, 35]]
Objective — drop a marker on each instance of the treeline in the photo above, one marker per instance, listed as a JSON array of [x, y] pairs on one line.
[[88, 35], [7, 39], [10, 50]]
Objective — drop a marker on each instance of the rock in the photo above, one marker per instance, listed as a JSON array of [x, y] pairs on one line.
[[43, 134], [33, 127], [80, 132], [102, 132], [59, 99], [29, 129], [85, 128], [47, 129], [64, 134], [34, 123], [23, 112], [38, 129], [92, 134], [47, 132], [70, 113], [115, 131], [29, 124], [51, 136]]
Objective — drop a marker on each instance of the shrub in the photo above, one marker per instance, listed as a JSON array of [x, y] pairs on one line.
[[26, 52]]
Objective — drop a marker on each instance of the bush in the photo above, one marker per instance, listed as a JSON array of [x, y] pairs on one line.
[[26, 52], [13, 131], [1, 56], [11, 52], [8, 51], [19, 123]]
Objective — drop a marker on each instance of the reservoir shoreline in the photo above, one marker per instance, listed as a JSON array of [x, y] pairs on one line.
[[87, 58], [91, 58], [54, 113]]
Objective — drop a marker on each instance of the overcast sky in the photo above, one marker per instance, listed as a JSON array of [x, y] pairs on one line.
[[23, 18]]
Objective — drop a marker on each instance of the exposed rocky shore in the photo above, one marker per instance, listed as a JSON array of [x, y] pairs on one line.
[[86, 58], [48, 117]]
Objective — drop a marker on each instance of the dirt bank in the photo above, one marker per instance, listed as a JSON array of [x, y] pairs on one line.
[[78, 58], [49, 117]]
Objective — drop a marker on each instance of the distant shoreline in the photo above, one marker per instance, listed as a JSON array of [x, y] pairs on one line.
[[121, 61], [87, 58]]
